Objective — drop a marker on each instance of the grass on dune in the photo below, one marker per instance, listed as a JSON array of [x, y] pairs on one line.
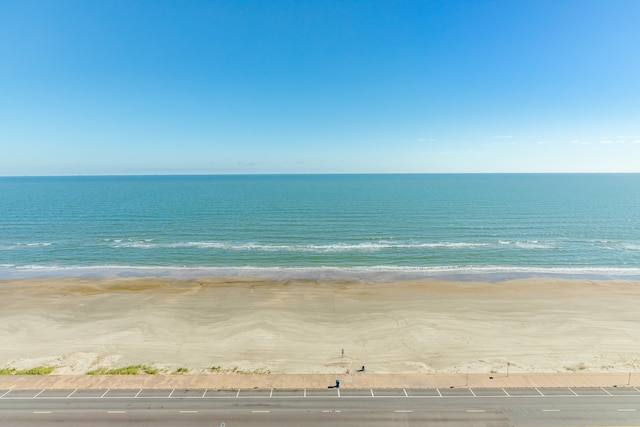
[[125, 370], [38, 370]]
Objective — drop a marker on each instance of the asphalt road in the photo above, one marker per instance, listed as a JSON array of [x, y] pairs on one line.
[[497, 407]]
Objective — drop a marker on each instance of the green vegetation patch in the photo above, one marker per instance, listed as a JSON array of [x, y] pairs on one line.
[[125, 370], [238, 370], [38, 370]]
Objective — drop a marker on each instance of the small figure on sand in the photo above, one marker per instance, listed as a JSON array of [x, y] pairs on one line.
[[361, 369], [335, 386]]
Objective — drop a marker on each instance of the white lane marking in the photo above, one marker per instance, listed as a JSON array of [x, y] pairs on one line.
[[505, 392], [405, 392], [438, 390], [116, 412], [205, 392], [572, 391], [105, 393], [171, 394], [371, 390], [305, 393], [474, 395], [188, 412], [401, 411], [475, 410], [41, 412], [536, 388], [39, 393], [238, 393], [626, 410], [338, 392], [261, 412], [71, 394], [4, 394], [271, 393], [606, 391], [551, 410], [139, 391]]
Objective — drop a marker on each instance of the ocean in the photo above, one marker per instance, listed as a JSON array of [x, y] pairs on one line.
[[462, 226]]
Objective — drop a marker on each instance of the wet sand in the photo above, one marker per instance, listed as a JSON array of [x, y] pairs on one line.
[[300, 327]]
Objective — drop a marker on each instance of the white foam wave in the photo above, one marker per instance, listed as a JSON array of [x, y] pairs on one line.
[[529, 244], [11, 246], [335, 247]]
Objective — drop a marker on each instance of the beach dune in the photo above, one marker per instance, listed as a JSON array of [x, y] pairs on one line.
[[306, 326]]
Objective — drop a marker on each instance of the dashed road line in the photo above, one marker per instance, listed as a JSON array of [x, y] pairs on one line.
[[475, 410], [41, 412], [260, 412], [551, 410], [188, 412], [116, 412], [403, 411], [626, 410]]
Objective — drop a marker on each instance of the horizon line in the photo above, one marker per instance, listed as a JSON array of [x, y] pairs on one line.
[[79, 175]]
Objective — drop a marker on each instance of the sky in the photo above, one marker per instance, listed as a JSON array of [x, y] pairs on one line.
[[234, 87]]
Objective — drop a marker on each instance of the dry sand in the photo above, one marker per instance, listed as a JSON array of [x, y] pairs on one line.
[[300, 327]]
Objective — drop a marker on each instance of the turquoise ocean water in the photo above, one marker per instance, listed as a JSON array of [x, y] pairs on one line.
[[322, 226]]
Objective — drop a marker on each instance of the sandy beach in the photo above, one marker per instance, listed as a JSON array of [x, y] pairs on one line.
[[301, 327]]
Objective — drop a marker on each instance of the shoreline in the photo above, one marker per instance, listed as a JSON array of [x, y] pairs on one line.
[[420, 327], [381, 273]]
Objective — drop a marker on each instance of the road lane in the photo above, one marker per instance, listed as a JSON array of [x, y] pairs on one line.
[[522, 408]]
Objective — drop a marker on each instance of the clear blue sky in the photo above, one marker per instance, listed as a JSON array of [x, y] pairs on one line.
[[144, 87]]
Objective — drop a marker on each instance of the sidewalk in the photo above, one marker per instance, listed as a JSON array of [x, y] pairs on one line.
[[317, 381]]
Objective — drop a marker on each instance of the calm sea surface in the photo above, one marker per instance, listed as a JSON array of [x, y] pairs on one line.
[[322, 226]]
